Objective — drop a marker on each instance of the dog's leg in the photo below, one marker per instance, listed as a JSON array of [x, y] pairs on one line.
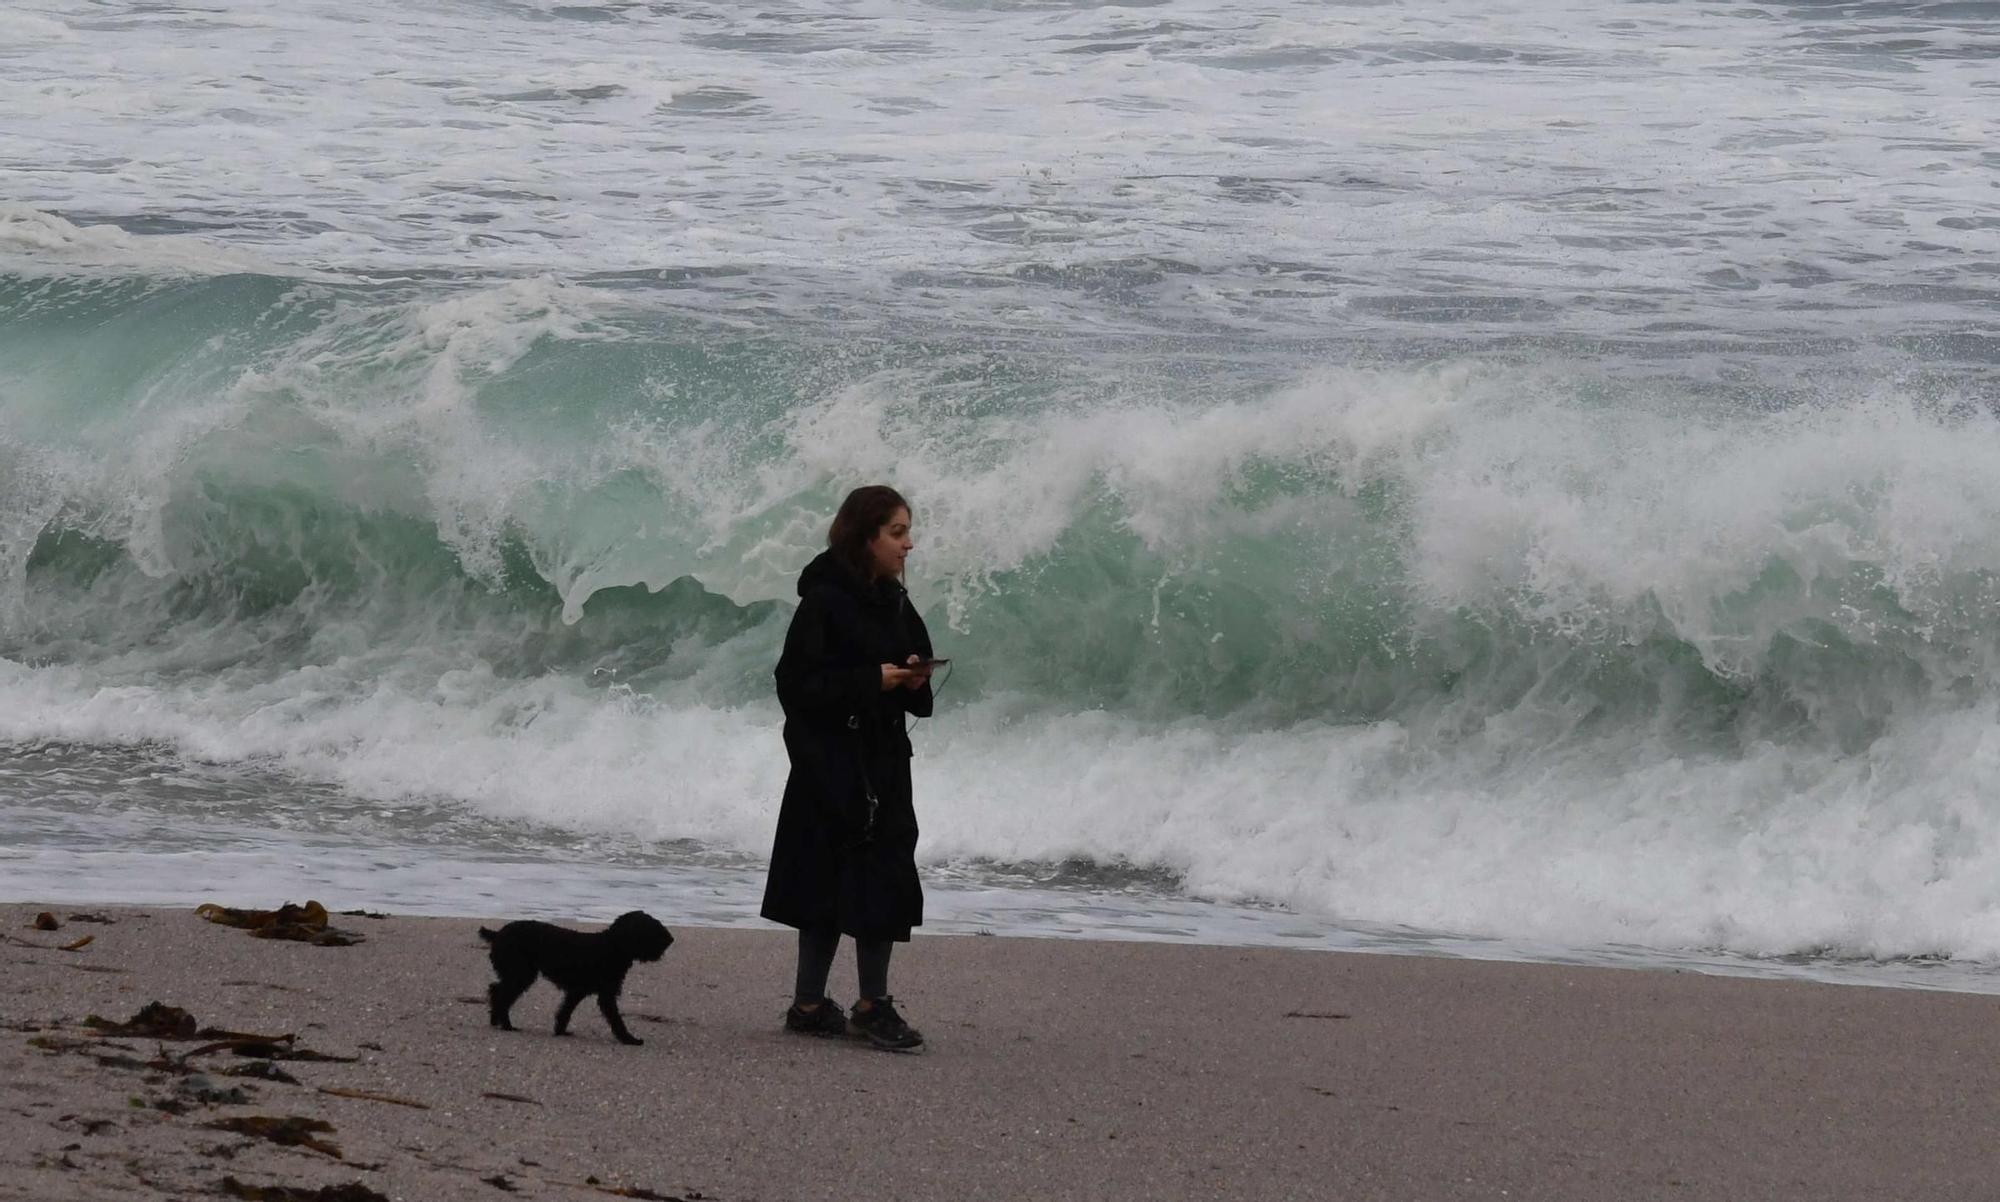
[[607, 1002], [569, 1004], [501, 996]]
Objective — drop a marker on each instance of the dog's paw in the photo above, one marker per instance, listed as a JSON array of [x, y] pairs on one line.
[[633, 1040]]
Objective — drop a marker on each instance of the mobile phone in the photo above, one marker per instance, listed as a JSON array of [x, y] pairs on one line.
[[927, 665]]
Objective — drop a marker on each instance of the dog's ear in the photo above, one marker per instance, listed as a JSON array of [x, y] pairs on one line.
[[633, 931], [641, 935]]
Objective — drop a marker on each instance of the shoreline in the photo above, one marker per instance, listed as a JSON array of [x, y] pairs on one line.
[[728, 900], [1057, 1068]]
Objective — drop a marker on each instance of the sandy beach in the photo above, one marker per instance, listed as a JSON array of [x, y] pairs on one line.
[[1056, 1069]]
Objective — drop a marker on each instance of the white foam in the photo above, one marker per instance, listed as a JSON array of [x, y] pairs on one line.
[[1783, 849], [30, 237], [1545, 154], [1591, 515], [19, 28]]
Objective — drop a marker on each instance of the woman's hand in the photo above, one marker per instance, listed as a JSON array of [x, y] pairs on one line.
[[899, 678], [919, 674]]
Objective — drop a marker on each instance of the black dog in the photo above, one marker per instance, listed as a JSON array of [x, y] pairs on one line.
[[577, 962]]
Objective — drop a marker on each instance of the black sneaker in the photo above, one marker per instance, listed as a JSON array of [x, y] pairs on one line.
[[880, 1025], [823, 1019]]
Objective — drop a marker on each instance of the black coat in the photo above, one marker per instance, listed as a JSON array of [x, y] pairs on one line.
[[845, 854]]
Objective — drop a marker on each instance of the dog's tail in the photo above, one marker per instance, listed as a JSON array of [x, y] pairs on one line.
[[488, 936]]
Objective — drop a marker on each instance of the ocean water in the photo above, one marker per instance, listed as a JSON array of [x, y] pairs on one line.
[[1521, 481]]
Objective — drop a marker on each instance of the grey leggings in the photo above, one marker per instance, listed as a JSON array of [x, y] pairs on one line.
[[816, 949]]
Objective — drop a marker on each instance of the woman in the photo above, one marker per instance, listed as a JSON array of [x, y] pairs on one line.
[[856, 661]]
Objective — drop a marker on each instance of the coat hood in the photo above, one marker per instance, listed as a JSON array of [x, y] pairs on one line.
[[827, 570]]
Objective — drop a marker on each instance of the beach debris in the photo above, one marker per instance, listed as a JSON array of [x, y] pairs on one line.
[[45, 921], [286, 1049], [353, 1191], [169, 1105], [364, 914], [290, 1131], [154, 1020], [157, 1020], [96, 1049], [499, 1181], [90, 1126], [262, 1047], [368, 1096], [1315, 1014], [510, 1097], [302, 924], [98, 918], [203, 1088], [289, 914], [638, 1191], [134, 1064], [73, 945], [262, 1070]]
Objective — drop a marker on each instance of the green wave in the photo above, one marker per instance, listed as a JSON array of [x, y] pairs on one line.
[[274, 578], [253, 474]]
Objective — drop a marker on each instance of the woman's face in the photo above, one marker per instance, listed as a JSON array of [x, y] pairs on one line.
[[891, 545]]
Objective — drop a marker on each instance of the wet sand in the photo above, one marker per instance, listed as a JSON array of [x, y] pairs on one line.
[[1056, 1070]]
